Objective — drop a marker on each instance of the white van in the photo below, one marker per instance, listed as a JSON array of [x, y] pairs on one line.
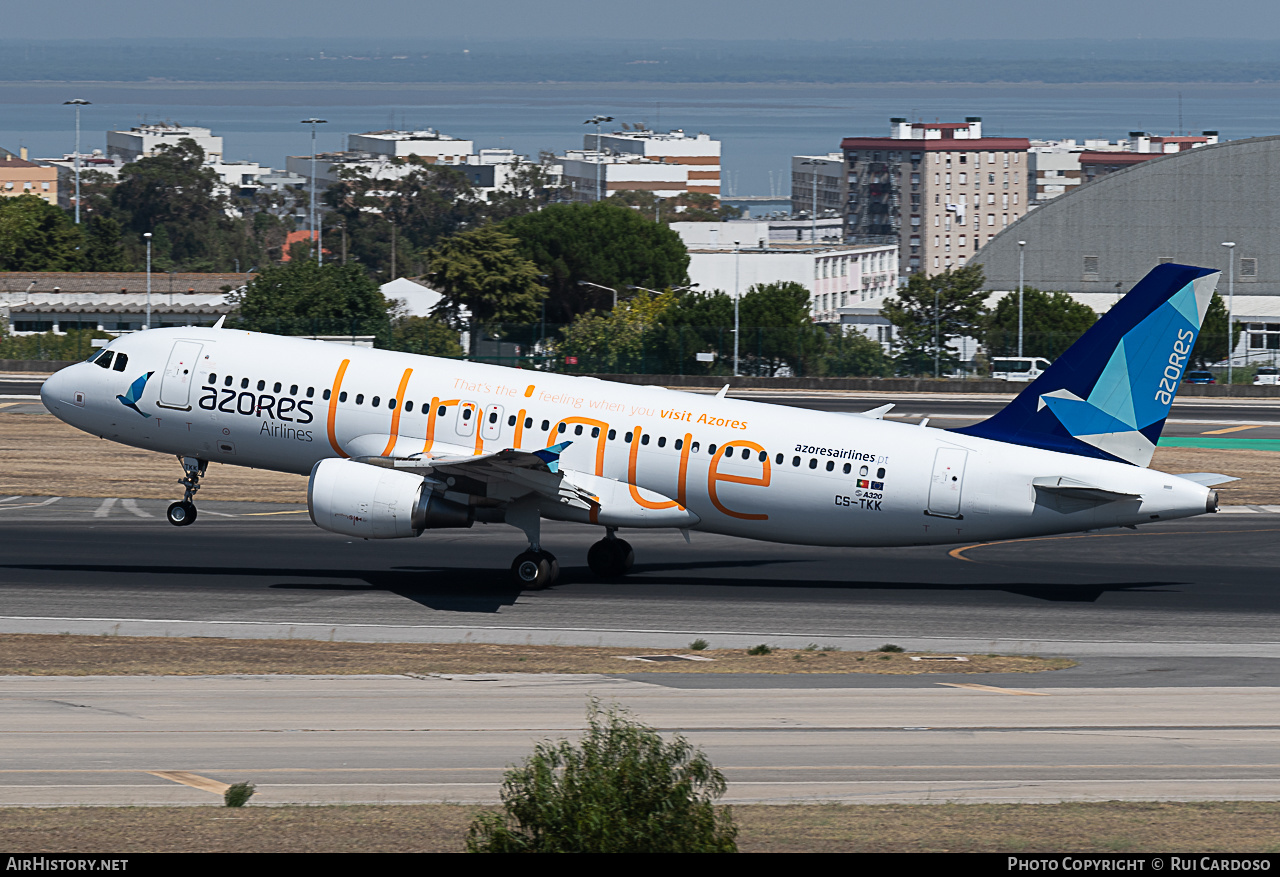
[[1017, 368], [1266, 375]]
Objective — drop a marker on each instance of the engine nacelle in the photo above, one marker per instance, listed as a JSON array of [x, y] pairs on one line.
[[372, 502]]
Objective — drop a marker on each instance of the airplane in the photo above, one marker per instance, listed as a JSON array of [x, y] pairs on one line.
[[395, 444]]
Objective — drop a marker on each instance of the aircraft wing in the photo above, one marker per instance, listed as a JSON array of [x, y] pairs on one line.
[[501, 476]]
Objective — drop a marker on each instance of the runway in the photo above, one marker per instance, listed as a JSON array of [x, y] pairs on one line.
[[1175, 696]]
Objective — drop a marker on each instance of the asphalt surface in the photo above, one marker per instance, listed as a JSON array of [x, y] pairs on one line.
[[1173, 626]]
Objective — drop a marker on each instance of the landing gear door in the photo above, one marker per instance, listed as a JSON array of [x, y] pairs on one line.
[[947, 482], [175, 387]]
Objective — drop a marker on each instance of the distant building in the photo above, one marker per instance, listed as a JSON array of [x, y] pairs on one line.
[[18, 176], [429, 145], [592, 176], [1058, 166], [143, 140], [699, 154], [113, 302], [842, 280], [939, 191], [819, 185], [89, 161], [756, 232]]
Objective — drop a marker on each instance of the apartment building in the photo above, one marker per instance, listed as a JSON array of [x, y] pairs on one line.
[[699, 154], [819, 189], [143, 140], [1058, 166], [938, 190], [18, 176]]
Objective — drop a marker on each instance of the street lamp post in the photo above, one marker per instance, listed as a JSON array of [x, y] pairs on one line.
[[147, 235], [1231, 307], [77, 103], [596, 120], [1021, 248], [605, 288], [737, 296], [936, 352], [311, 215]]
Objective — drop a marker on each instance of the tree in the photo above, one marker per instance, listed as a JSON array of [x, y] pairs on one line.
[[1051, 322], [626, 339], [38, 236], [777, 329], [483, 273], [601, 243], [390, 219], [304, 298], [425, 335], [1211, 344], [621, 789], [960, 312], [855, 355]]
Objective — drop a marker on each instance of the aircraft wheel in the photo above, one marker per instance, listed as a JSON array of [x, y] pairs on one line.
[[610, 558], [534, 570], [181, 514]]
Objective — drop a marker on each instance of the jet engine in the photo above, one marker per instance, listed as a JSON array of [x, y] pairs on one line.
[[372, 502]]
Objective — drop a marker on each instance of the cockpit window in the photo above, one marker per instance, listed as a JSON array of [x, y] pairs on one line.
[[122, 362], [104, 361], [94, 355]]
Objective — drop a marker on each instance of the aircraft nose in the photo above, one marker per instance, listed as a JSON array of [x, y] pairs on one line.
[[54, 391]]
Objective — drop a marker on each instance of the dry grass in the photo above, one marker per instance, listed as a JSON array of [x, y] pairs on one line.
[[1216, 827], [1258, 471], [68, 655], [42, 456]]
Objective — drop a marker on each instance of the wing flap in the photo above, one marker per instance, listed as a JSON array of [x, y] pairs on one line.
[[1072, 488]]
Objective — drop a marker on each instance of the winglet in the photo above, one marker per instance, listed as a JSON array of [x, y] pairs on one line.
[[723, 390], [551, 455], [221, 320]]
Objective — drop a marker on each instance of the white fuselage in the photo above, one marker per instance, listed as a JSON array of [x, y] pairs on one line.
[[743, 468]]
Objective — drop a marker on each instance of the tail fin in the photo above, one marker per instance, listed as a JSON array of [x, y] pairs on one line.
[[1109, 394]]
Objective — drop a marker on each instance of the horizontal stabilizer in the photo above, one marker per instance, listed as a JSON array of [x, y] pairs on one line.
[[1208, 479], [1075, 489], [877, 413]]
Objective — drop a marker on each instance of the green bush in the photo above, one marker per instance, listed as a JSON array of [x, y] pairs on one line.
[[238, 794], [761, 649], [699, 644], [890, 647], [621, 789]]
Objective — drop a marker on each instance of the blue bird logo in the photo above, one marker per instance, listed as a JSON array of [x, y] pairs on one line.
[[130, 398]]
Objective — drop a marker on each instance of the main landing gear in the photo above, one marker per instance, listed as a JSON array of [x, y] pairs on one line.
[[535, 569], [611, 557], [182, 513]]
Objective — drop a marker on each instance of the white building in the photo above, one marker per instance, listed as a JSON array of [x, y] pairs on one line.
[[699, 154], [143, 140], [592, 176], [756, 232], [843, 280], [428, 144]]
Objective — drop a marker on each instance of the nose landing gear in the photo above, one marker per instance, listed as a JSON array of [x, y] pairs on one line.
[[180, 514]]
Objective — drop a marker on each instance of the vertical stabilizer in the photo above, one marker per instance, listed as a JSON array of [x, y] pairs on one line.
[[1109, 394]]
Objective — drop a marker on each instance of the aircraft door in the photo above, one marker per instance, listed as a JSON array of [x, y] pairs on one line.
[[492, 429], [947, 482], [175, 386], [467, 418]]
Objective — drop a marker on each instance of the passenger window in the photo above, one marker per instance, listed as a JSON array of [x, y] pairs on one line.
[[276, 388], [880, 472], [359, 398], [848, 467], [408, 406], [795, 461], [711, 449], [262, 385], [693, 448], [293, 390], [746, 453], [377, 400], [595, 432], [644, 438], [466, 413], [342, 397], [546, 425], [778, 459], [629, 437], [104, 361], [326, 395], [662, 441], [226, 382], [391, 403], [679, 444], [440, 413], [244, 383], [577, 430], [511, 421], [213, 379], [493, 417], [764, 456], [122, 362], [528, 423], [560, 428], [813, 462], [311, 391], [613, 434], [831, 465]]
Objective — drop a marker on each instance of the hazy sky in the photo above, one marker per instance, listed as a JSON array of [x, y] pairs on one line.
[[395, 20]]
